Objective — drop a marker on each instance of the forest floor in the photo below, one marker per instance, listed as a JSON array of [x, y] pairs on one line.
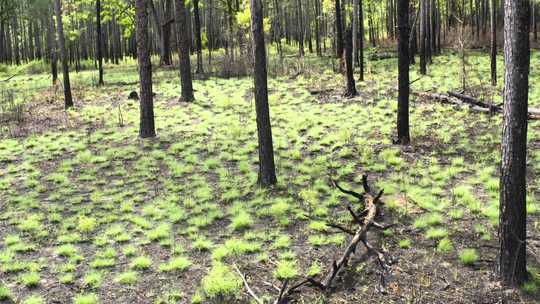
[[89, 213]]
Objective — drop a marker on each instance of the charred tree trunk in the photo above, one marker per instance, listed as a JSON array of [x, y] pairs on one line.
[[147, 128], [339, 30], [51, 43], [349, 68], [267, 170], [403, 72], [493, 42], [68, 100], [198, 40], [184, 52], [166, 29], [361, 40], [99, 44], [423, 38], [299, 18], [513, 216]]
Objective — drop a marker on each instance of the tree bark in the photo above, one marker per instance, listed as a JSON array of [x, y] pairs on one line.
[[198, 41], [299, 18], [349, 68], [513, 216], [403, 72], [99, 43], [423, 38], [68, 100], [339, 30], [267, 170], [361, 40], [493, 42], [184, 52], [147, 128]]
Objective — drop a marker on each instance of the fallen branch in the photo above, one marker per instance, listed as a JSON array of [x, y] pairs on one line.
[[473, 103], [8, 79], [365, 220], [249, 290]]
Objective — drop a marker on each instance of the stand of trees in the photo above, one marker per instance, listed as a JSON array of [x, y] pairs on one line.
[[108, 30]]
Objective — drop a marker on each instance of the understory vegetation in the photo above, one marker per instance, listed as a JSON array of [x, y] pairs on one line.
[[92, 214]]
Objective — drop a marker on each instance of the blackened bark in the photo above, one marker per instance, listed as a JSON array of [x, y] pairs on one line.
[[267, 170], [51, 45], [184, 52], [403, 72], [361, 40], [299, 18], [99, 43], [493, 42], [166, 29], [513, 216], [198, 41], [423, 38], [68, 100], [349, 68], [147, 128], [318, 28], [14, 29], [339, 30]]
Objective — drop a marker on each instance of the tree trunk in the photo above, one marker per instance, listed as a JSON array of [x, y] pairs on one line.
[[267, 170], [14, 29], [68, 100], [184, 52], [403, 72], [299, 18], [99, 43], [355, 20], [361, 42], [513, 216], [166, 29], [147, 128], [349, 70], [51, 45], [423, 39], [339, 30], [198, 41], [493, 42]]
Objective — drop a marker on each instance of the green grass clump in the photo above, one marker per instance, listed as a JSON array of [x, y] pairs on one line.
[[405, 244], [241, 221], [93, 279], [141, 263], [34, 299], [428, 220], [468, 256], [86, 299], [127, 278], [5, 293], [530, 288], [86, 224], [436, 233], [286, 270], [176, 264], [30, 279], [445, 245], [221, 281]]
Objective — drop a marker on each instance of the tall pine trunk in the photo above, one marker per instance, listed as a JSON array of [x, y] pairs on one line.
[[513, 215], [99, 43], [68, 100], [403, 72], [267, 170], [184, 52], [147, 128], [493, 42], [198, 40]]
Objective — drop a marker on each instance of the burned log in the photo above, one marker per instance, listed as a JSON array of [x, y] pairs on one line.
[[473, 103]]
